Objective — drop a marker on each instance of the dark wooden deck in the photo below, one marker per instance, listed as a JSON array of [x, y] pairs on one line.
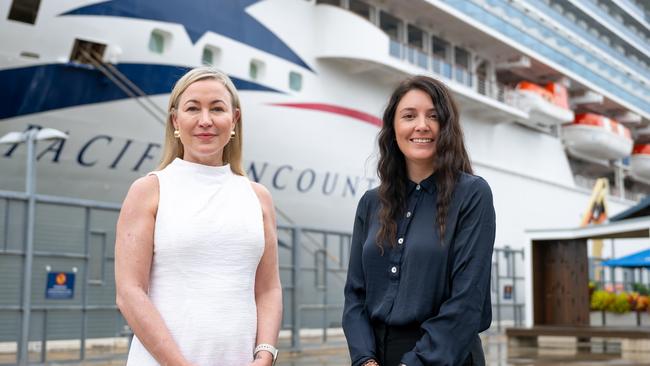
[[642, 332]]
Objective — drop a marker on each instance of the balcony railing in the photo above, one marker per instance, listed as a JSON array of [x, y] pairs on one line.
[[595, 9], [596, 41], [446, 70], [604, 77]]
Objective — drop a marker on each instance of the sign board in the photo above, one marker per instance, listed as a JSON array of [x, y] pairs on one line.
[[507, 292], [60, 285]]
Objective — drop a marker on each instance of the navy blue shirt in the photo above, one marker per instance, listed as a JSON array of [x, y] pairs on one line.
[[443, 288]]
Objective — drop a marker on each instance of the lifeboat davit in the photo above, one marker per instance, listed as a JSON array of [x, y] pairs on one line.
[[592, 136], [640, 160], [546, 106]]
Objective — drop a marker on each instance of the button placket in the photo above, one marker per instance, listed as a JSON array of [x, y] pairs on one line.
[[396, 258]]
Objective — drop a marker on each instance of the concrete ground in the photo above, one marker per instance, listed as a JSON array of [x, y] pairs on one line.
[[555, 351]]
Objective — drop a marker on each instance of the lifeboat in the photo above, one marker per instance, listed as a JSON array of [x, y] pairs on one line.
[[592, 136], [640, 160], [546, 106]]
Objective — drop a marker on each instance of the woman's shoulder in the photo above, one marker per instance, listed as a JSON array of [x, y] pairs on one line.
[[472, 182], [262, 193], [145, 186], [370, 196], [473, 188], [369, 201], [144, 191]]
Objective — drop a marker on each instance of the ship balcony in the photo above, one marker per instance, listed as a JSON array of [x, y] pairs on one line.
[[375, 52], [595, 137]]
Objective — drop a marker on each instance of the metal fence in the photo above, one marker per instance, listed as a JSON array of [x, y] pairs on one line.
[[66, 235], [508, 298], [44, 235]]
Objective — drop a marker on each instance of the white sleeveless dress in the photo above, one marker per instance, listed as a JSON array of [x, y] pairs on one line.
[[208, 241]]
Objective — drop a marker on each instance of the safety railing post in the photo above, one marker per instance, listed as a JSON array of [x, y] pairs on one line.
[[297, 292]]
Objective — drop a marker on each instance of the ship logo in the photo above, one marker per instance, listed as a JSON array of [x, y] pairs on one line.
[[61, 279]]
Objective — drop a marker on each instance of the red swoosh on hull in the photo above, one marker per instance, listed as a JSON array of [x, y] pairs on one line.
[[352, 113]]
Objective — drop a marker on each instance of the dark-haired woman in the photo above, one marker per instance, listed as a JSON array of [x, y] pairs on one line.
[[418, 285]]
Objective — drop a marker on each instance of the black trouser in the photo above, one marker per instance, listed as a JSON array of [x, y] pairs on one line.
[[393, 342]]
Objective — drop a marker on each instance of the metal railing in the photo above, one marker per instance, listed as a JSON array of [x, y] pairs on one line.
[[505, 284], [76, 261], [562, 51], [448, 71]]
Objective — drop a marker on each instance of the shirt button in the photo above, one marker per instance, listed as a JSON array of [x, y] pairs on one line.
[[417, 187], [393, 269], [400, 241], [408, 214]]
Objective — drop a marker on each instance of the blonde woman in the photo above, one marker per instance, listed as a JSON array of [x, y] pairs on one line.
[[196, 263]]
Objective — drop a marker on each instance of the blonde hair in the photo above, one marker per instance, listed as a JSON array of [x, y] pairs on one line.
[[173, 148]]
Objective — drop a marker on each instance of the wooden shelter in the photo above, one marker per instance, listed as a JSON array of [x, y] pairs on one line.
[[557, 280]]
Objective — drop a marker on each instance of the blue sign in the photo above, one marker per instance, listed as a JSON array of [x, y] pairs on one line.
[[60, 285], [507, 292]]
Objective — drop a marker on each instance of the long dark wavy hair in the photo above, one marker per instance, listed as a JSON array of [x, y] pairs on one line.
[[450, 160]]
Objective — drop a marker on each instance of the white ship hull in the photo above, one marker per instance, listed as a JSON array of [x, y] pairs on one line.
[[316, 161]]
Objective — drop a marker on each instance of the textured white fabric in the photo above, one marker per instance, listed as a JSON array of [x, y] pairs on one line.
[[208, 241]]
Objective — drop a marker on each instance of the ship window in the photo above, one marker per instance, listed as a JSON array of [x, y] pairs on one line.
[[330, 2], [295, 81], [360, 8], [28, 54], [211, 56], [461, 57], [24, 11], [207, 58], [157, 41], [439, 47], [390, 24], [256, 70], [415, 37], [461, 60]]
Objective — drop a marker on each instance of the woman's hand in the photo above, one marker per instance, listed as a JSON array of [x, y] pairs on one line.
[[371, 362], [262, 358]]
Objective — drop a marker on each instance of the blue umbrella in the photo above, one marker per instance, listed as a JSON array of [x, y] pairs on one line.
[[637, 260]]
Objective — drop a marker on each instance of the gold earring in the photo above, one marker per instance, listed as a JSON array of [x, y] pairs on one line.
[[177, 133], [232, 134]]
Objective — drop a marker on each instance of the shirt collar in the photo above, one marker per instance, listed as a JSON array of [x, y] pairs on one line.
[[428, 184]]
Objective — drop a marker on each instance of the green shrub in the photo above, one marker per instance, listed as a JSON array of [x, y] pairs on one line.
[[641, 289], [601, 300], [620, 304]]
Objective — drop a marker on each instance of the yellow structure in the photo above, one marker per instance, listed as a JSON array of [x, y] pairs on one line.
[[596, 213]]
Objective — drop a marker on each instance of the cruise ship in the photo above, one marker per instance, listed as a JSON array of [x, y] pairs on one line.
[[553, 95]]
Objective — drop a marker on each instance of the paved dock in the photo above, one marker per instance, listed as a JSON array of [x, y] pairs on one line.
[[555, 351]]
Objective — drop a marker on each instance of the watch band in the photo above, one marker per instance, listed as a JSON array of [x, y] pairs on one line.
[[268, 348]]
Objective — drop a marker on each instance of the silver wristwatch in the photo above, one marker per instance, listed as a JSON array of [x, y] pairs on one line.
[[268, 348]]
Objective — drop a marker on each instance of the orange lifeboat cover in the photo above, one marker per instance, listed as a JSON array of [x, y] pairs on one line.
[[527, 85], [641, 149], [593, 119], [560, 94]]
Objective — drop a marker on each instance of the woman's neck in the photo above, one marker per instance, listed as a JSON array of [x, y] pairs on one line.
[[419, 172]]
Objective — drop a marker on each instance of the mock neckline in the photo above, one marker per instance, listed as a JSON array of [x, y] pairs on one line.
[[201, 168]]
